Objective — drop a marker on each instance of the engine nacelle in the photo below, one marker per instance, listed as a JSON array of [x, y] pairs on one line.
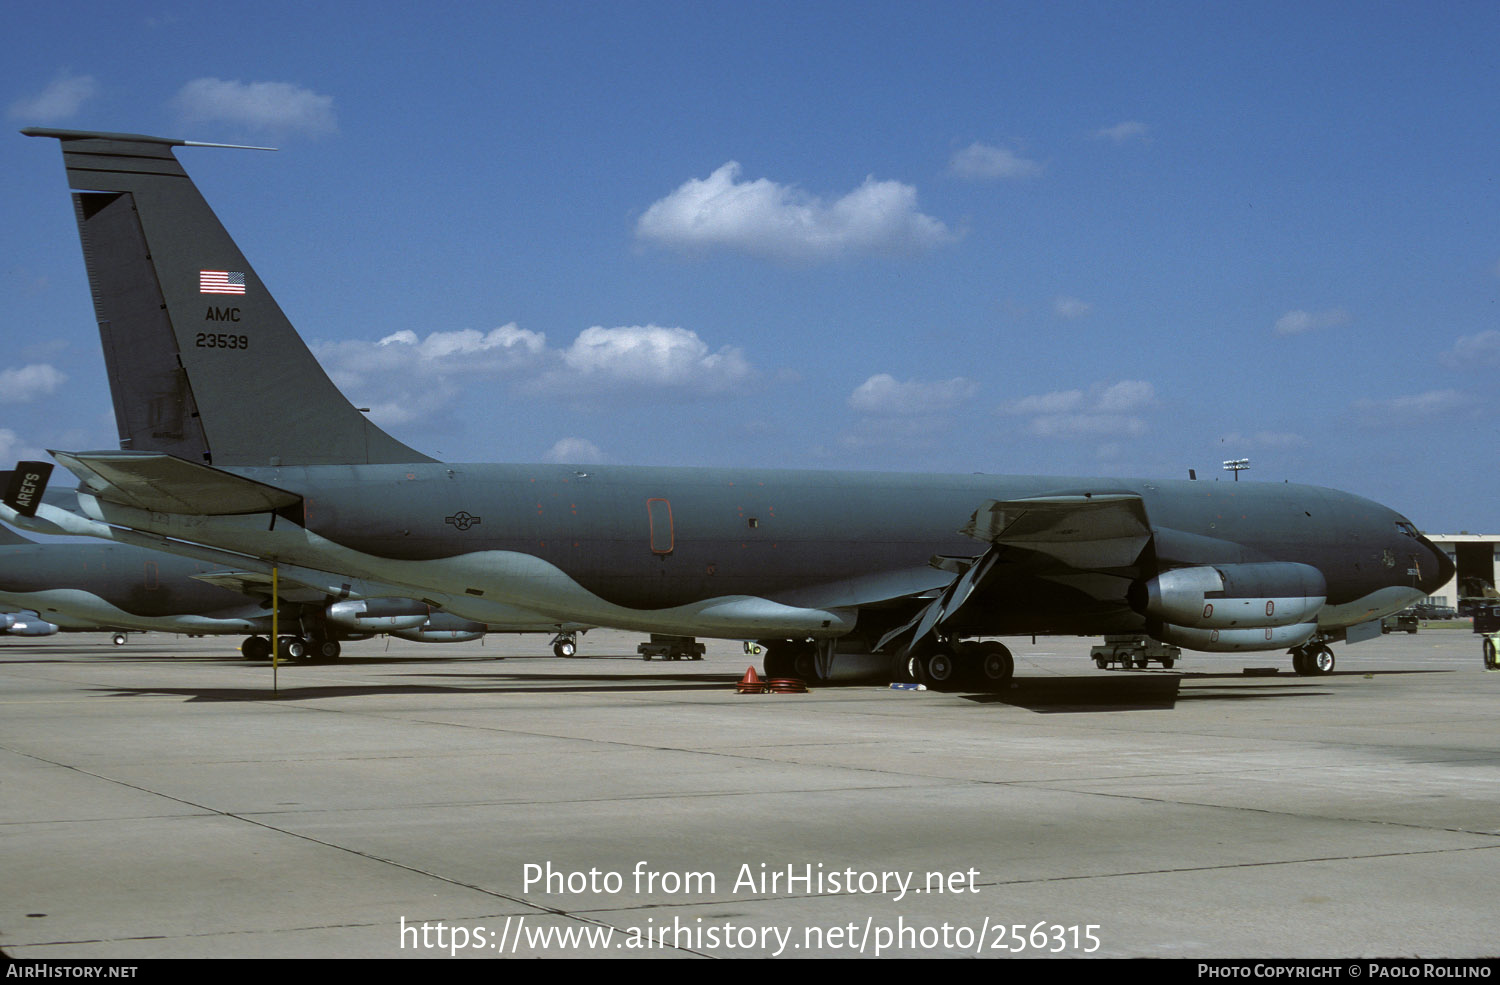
[[377, 615], [443, 627], [1235, 640], [24, 625], [1232, 596]]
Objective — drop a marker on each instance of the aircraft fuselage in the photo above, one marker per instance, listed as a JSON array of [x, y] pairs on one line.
[[661, 542]]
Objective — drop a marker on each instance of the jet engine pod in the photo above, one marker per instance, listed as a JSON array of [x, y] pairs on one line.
[[443, 627], [27, 625], [1232, 596], [1234, 640], [377, 615]]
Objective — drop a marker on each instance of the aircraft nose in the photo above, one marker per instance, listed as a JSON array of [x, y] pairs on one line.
[[1437, 571]]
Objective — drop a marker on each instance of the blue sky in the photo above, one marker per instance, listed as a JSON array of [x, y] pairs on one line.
[[1068, 238]]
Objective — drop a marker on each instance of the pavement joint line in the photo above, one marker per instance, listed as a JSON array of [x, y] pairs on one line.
[[369, 856]]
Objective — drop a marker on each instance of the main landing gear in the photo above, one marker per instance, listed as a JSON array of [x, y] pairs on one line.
[[565, 645], [292, 648], [1312, 659], [985, 665]]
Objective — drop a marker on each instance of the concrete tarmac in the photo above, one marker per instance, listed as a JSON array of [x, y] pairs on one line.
[[161, 800]]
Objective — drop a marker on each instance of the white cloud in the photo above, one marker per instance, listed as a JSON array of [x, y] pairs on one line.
[[499, 351], [883, 394], [58, 101], [574, 451], [766, 219], [269, 106], [651, 355], [1414, 408], [982, 161], [1070, 308], [1121, 132], [13, 449], [1297, 322], [1105, 411], [418, 378], [1056, 402], [29, 382], [1126, 395], [1480, 351]]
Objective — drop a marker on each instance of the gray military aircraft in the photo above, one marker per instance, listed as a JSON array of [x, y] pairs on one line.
[[236, 445], [121, 588]]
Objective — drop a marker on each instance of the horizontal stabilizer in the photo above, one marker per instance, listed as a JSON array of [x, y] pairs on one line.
[[1088, 530], [163, 484]]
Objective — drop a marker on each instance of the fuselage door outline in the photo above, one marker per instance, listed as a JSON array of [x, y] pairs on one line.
[[659, 515]]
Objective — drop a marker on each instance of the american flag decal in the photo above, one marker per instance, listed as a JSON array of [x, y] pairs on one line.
[[221, 282]]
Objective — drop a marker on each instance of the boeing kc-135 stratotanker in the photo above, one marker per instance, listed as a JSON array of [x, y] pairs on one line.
[[235, 445]]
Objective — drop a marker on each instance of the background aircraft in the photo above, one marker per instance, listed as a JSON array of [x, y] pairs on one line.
[[230, 454], [119, 588]]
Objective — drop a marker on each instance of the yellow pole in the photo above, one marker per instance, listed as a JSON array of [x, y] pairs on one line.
[[275, 629]]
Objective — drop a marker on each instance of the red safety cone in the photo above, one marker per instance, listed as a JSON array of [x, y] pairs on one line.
[[750, 683]]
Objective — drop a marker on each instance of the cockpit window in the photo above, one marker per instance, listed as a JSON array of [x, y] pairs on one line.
[[1406, 527]]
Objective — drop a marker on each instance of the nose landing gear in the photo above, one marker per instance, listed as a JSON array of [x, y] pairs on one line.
[[1312, 659]]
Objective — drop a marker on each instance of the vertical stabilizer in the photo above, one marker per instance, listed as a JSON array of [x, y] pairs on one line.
[[203, 364]]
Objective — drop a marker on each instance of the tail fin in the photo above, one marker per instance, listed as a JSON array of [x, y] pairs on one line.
[[203, 364]]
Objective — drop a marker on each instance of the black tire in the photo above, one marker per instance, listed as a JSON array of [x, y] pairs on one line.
[[994, 666], [901, 670], [1101, 663], [1320, 661], [1491, 654], [941, 669]]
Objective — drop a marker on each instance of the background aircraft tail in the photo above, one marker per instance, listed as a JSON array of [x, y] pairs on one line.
[[202, 362]]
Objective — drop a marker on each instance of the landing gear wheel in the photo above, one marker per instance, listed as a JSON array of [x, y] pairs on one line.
[[1320, 660], [805, 665], [118, 639], [293, 648], [1491, 654], [255, 648], [902, 670], [1299, 662], [995, 666], [327, 650], [778, 663], [564, 648], [941, 668]]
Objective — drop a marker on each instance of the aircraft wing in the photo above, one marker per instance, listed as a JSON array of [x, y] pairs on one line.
[[254, 583], [165, 484], [1087, 532]]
